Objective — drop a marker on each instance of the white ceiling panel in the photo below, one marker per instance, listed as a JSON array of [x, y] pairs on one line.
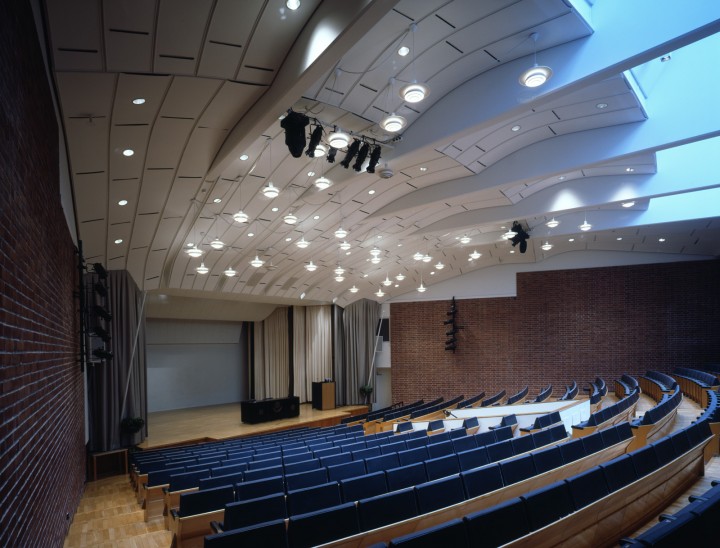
[[85, 94], [90, 196], [76, 36], [180, 32], [188, 97], [166, 232], [130, 137], [123, 189], [232, 101], [129, 51], [183, 190], [152, 88], [614, 118], [167, 142], [144, 231], [88, 144], [153, 192], [94, 239], [200, 151]]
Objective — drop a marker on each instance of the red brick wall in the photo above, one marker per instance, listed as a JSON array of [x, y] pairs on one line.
[[42, 467], [562, 326]]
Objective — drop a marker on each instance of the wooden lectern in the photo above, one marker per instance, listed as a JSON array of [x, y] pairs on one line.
[[323, 395]]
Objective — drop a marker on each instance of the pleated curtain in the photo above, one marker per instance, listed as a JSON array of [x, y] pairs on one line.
[[299, 354], [360, 321], [277, 354], [259, 361], [318, 345]]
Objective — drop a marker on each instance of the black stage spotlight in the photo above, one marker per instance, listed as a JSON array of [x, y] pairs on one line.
[[448, 322], [314, 141], [100, 289], [361, 156], [453, 331], [100, 271], [104, 314], [331, 155], [350, 154], [104, 335], [294, 125], [103, 354], [374, 159], [521, 237], [450, 347]]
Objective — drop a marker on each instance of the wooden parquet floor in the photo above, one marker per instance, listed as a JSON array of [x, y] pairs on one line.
[[110, 516]]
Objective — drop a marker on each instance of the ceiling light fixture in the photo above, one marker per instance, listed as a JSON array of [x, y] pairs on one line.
[[138, 101], [510, 234], [375, 260], [311, 267], [392, 123], [293, 4], [194, 251], [122, 202], [339, 270], [290, 218], [387, 282], [552, 223], [354, 289], [465, 239], [422, 288], [339, 278], [257, 262], [345, 246], [585, 226], [439, 265], [217, 244], [515, 128], [244, 157], [320, 151], [414, 92], [302, 243], [628, 204], [400, 277], [475, 255], [426, 258], [230, 272], [380, 293], [536, 75], [202, 269], [418, 256], [338, 139], [217, 200], [128, 152], [241, 217], [271, 191], [323, 183], [375, 252], [403, 51], [547, 246], [341, 233], [118, 241]]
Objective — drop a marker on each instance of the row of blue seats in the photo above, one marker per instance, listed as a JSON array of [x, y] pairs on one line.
[[543, 421], [330, 467], [518, 517], [380, 505], [521, 395], [628, 383], [666, 405], [703, 378], [607, 413], [435, 408], [666, 382], [492, 400], [599, 390], [231, 452], [544, 394], [712, 410], [396, 414], [571, 392]]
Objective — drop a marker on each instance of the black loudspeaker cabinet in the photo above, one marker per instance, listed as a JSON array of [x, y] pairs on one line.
[[255, 411]]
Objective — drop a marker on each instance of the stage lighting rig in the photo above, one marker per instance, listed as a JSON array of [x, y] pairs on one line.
[[521, 237], [374, 159], [350, 154], [364, 150], [315, 138], [294, 125]]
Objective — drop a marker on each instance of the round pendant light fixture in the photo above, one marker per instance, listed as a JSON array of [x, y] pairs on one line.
[[552, 223], [241, 217], [400, 277], [311, 267], [345, 245], [257, 262], [217, 244], [302, 243], [271, 191], [194, 251], [354, 289], [202, 269], [547, 246], [323, 183], [230, 272], [393, 123], [338, 139], [290, 218], [341, 233]]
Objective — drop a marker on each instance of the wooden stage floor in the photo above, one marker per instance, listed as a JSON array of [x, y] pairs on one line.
[[218, 422]]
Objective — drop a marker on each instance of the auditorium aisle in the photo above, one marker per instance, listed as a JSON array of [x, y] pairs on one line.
[[110, 516]]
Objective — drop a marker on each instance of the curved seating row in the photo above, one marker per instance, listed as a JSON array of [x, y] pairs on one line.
[[436, 409], [543, 421], [656, 421], [379, 516], [471, 402], [625, 385], [693, 525], [544, 394], [599, 391], [492, 400], [592, 508], [695, 384], [571, 392], [518, 397], [656, 383], [608, 416]]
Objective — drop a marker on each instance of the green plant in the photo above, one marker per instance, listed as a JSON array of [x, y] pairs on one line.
[[366, 390], [132, 425]]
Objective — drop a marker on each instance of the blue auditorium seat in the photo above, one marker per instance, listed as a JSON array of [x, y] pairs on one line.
[[366, 453], [259, 488], [517, 469], [356, 446], [439, 493], [587, 487], [405, 476], [498, 524], [227, 470], [479, 481], [624, 431], [503, 433], [664, 450], [293, 458], [440, 449], [593, 443], [457, 433], [680, 441], [162, 477], [610, 436], [363, 487], [438, 438], [572, 450], [321, 526], [645, 460], [270, 533], [547, 504], [199, 502], [346, 470], [254, 511], [619, 472], [442, 467], [558, 432], [265, 463], [384, 462], [186, 480], [523, 444], [320, 453], [451, 533], [393, 447], [303, 466], [485, 438], [217, 481], [414, 443], [500, 450], [473, 458], [306, 479], [383, 509], [313, 498], [411, 456], [260, 473], [542, 438], [464, 444], [547, 459], [332, 460], [404, 427]]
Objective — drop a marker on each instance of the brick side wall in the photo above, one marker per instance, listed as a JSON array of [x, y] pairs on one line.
[[562, 326], [42, 467]]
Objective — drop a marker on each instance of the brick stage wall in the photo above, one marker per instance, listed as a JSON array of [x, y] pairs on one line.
[[42, 467], [562, 326]]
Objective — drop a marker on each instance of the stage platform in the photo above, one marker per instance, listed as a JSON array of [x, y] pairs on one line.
[[219, 422]]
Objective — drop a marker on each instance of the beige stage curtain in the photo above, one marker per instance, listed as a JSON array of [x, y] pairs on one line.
[[277, 354], [318, 345], [360, 322], [259, 361], [299, 353]]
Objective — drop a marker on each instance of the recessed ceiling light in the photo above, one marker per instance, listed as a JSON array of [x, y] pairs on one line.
[[515, 128], [601, 105], [365, 275], [619, 238], [561, 178], [118, 241], [128, 152], [288, 239], [379, 237], [628, 204], [661, 240], [512, 251], [348, 252], [371, 192], [275, 209], [629, 169], [432, 273], [403, 51], [138, 101], [292, 4], [571, 239], [122, 202], [423, 168], [251, 234], [302, 295], [311, 174], [399, 245], [217, 200], [316, 217], [665, 58], [244, 157]]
